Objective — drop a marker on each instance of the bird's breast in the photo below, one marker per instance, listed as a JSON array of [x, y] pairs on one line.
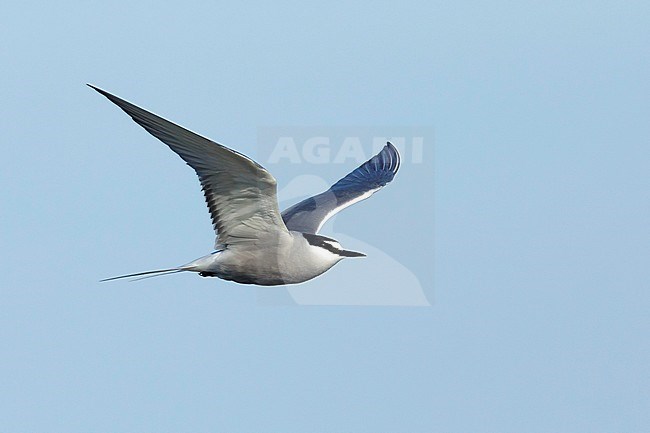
[[289, 261]]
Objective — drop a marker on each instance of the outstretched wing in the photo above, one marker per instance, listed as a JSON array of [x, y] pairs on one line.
[[240, 193], [309, 215]]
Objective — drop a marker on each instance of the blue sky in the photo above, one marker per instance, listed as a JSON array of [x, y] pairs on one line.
[[526, 226]]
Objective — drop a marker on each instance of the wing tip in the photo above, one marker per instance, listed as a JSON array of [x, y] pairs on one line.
[[396, 159], [92, 86], [114, 99]]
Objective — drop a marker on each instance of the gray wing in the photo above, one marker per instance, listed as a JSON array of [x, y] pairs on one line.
[[309, 215], [240, 193]]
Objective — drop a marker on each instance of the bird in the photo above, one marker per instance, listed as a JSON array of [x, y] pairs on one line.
[[255, 243]]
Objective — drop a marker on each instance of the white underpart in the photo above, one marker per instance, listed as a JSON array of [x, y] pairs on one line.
[[326, 256], [336, 210]]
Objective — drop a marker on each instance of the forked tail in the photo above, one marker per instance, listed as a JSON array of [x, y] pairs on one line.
[[147, 274]]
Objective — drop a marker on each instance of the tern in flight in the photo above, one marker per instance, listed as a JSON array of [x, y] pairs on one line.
[[256, 244]]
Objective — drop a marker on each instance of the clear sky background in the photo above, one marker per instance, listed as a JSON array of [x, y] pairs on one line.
[[539, 281]]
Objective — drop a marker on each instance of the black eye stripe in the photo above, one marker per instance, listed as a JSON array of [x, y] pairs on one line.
[[324, 242]]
